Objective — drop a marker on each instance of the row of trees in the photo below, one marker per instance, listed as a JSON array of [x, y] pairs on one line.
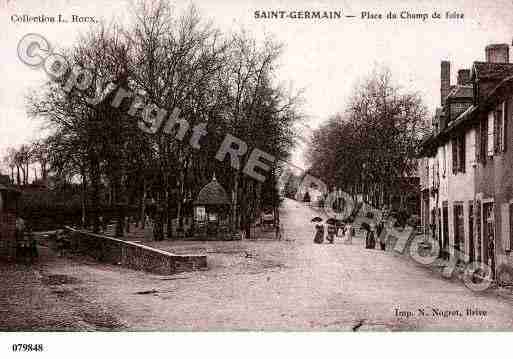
[[174, 61], [371, 147], [20, 159]]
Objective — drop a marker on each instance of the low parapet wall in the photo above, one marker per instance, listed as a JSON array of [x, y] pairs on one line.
[[133, 255]]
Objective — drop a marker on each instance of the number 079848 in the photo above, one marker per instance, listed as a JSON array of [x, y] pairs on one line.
[[27, 347]]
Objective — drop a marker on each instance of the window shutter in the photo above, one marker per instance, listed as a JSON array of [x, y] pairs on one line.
[[505, 115], [478, 148], [496, 131], [455, 223], [462, 153], [510, 245], [505, 226], [454, 145], [484, 140]]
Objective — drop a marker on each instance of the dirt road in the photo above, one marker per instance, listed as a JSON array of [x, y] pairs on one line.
[[279, 285]]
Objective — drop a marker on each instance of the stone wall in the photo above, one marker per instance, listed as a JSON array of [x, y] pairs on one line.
[[133, 255]]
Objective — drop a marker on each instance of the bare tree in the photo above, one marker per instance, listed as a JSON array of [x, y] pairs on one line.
[[166, 62], [372, 145]]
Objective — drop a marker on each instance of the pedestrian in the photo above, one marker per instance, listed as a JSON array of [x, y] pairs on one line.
[[277, 229], [370, 242], [381, 238], [319, 233], [33, 253], [348, 233], [332, 230], [382, 243], [20, 229]]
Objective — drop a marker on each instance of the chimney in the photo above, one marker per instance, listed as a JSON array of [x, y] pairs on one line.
[[445, 80], [497, 53], [464, 77]]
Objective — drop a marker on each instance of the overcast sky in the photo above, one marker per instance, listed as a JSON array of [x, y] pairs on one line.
[[323, 57]]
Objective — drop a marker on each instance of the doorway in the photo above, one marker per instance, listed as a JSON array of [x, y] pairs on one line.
[[459, 227], [445, 230], [471, 248], [489, 235]]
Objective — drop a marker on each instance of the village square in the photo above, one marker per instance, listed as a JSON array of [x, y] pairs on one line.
[[178, 180]]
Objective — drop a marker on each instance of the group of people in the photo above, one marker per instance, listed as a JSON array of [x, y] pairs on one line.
[[373, 235], [345, 232]]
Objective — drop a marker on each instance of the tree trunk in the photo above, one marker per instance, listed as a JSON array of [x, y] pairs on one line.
[[158, 226], [234, 202], [142, 212], [180, 198], [169, 217], [95, 194], [245, 210], [120, 212], [83, 198], [44, 173]]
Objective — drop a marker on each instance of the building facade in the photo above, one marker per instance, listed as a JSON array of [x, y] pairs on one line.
[[467, 164]]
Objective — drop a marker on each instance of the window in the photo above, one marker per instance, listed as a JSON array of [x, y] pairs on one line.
[[200, 214], [461, 153], [482, 141], [490, 128], [499, 128], [473, 151], [458, 154]]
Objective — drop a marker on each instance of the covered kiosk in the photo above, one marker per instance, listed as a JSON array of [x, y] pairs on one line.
[[9, 196], [212, 212]]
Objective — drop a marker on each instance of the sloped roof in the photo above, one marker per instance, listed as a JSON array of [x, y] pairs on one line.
[[462, 91], [465, 116], [436, 138], [212, 193], [492, 70], [502, 85], [502, 73]]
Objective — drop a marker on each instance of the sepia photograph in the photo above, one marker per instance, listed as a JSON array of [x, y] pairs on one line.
[[172, 166]]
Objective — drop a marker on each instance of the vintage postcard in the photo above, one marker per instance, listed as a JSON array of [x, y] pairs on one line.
[[296, 166]]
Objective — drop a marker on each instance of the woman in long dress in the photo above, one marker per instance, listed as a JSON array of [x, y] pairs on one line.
[[370, 241], [332, 230], [348, 236], [381, 239], [319, 233]]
